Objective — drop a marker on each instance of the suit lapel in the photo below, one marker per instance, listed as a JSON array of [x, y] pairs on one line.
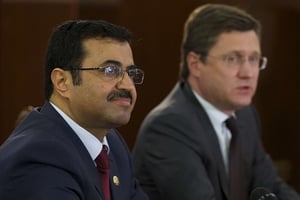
[[211, 137], [114, 178], [90, 169], [86, 163], [214, 146]]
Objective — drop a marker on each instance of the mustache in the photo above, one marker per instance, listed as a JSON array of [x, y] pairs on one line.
[[119, 94]]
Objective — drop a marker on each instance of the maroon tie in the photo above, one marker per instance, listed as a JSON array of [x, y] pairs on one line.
[[103, 169], [237, 186]]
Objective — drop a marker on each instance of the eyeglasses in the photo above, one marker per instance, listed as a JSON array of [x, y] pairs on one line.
[[234, 61], [116, 72]]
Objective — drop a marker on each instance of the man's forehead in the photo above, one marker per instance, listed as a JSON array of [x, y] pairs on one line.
[[236, 41]]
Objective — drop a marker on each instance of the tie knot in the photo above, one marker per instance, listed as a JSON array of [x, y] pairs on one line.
[[231, 125], [102, 160]]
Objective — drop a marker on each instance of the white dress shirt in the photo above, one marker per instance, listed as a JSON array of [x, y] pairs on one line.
[[92, 144], [217, 118]]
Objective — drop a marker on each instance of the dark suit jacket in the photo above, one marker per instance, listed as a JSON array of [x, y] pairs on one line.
[[44, 159], [177, 154]]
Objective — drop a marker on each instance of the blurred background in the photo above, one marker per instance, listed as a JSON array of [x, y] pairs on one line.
[[157, 27]]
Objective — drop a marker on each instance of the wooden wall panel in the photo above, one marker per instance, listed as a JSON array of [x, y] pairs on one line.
[[279, 95], [157, 27], [25, 28]]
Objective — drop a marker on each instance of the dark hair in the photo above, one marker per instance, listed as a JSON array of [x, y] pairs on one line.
[[65, 46], [206, 23]]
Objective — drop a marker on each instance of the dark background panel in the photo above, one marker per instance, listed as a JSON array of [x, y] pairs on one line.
[[157, 27]]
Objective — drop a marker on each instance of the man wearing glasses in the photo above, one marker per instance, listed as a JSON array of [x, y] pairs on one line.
[[203, 142], [69, 148]]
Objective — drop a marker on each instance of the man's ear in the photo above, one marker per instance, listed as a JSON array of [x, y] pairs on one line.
[[193, 63], [61, 81]]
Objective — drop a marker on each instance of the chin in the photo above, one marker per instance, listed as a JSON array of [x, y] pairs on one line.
[[242, 104], [121, 121]]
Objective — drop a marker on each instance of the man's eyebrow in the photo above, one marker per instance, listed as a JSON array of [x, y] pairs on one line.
[[117, 63], [133, 66], [114, 62], [242, 53]]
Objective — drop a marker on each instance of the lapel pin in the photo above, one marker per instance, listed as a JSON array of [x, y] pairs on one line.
[[116, 181]]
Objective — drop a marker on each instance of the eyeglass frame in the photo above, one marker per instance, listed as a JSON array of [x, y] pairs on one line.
[[241, 60], [120, 75]]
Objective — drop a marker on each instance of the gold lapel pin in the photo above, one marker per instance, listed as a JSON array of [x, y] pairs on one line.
[[116, 180]]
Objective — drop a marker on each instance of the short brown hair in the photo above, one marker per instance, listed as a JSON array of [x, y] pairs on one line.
[[206, 23]]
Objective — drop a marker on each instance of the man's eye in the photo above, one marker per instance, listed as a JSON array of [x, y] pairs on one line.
[[231, 59], [110, 70], [253, 59]]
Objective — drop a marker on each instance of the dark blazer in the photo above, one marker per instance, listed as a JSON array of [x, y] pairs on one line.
[[177, 154], [44, 159]]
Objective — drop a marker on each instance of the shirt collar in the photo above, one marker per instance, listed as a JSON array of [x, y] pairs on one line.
[[216, 116], [92, 144]]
